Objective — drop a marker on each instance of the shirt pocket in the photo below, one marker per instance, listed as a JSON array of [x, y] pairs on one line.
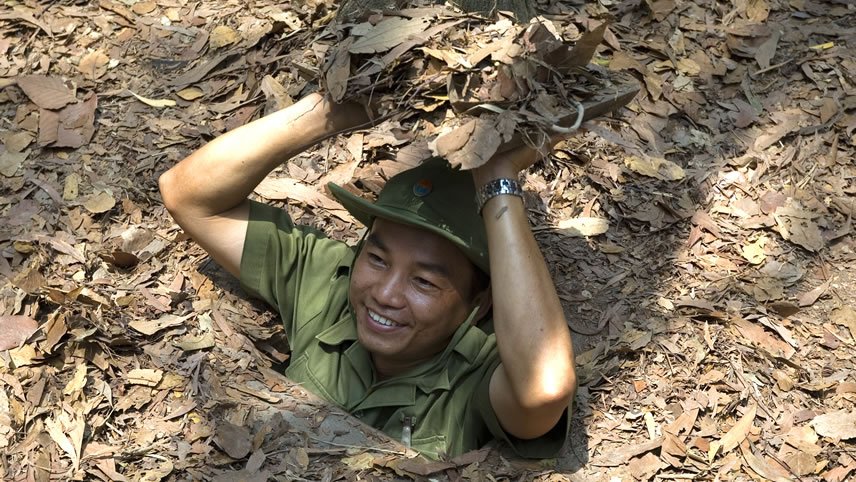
[[315, 372], [297, 370], [432, 446]]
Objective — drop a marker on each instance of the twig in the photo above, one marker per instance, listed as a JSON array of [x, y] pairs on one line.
[[359, 447], [675, 476], [553, 127], [772, 67], [309, 451]]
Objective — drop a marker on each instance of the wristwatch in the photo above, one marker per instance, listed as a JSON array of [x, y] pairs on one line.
[[495, 188]]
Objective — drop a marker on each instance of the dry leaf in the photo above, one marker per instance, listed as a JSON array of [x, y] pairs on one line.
[[154, 102], [15, 330], [734, 436], [784, 308], [763, 340], [10, 162], [191, 343], [222, 36], [584, 48], [46, 92], [838, 474], [807, 234], [75, 123], [93, 65], [419, 466], [58, 435], [361, 461], [100, 202], [56, 329], [343, 173], [77, 382], [18, 141], [63, 247], [164, 468], [143, 7], [655, 167], [689, 67], [810, 297], [150, 327], [146, 377], [286, 188], [760, 466], [583, 226], [291, 19], [190, 93], [474, 143], [661, 8], [255, 462], [71, 187], [276, 95], [388, 33], [235, 440], [767, 50], [845, 316], [24, 356], [622, 455], [120, 259], [88, 296], [339, 72], [645, 467], [754, 252], [787, 121], [757, 10], [840, 425]]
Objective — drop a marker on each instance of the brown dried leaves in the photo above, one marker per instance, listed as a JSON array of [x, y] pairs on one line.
[[14, 330], [46, 92], [488, 76]]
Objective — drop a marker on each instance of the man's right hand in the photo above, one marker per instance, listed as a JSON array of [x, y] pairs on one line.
[[206, 193]]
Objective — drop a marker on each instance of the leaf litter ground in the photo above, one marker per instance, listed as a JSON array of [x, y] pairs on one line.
[[700, 240]]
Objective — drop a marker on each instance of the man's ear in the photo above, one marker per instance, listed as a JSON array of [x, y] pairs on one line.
[[484, 300]]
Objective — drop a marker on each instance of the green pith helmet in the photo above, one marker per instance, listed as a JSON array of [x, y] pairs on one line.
[[431, 196]]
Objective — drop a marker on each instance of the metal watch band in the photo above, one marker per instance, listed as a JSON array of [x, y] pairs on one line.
[[497, 187]]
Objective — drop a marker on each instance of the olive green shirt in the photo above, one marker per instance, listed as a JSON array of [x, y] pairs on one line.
[[445, 403]]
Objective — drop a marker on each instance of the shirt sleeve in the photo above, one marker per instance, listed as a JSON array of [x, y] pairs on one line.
[[546, 446], [292, 268]]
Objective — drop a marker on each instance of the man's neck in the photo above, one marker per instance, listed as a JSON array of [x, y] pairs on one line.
[[385, 369]]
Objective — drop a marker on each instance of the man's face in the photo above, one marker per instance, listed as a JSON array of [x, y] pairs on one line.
[[410, 290]]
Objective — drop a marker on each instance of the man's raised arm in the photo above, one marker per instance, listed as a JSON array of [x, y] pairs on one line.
[[206, 193], [536, 379]]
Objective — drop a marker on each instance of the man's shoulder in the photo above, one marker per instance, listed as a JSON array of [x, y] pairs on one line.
[[296, 269], [268, 221], [476, 346]]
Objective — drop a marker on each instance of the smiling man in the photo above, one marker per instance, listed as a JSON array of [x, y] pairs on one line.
[[417, 330]]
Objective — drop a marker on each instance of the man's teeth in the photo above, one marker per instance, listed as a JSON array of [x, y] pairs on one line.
[[381, 320]]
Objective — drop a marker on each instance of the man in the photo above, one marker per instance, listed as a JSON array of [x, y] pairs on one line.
[[390, 330]]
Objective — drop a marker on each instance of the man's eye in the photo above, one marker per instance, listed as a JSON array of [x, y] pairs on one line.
[[424, 283], [375, 259]]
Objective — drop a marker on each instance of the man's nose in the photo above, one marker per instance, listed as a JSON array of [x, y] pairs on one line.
[[389, 290]]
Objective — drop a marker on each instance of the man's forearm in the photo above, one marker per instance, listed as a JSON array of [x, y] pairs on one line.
[[531, 330], [221, 174]]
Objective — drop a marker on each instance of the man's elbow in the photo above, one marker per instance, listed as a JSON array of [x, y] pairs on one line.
[[167, 185], [551, 394], [556, 393], [544, 412], [557, 383]]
